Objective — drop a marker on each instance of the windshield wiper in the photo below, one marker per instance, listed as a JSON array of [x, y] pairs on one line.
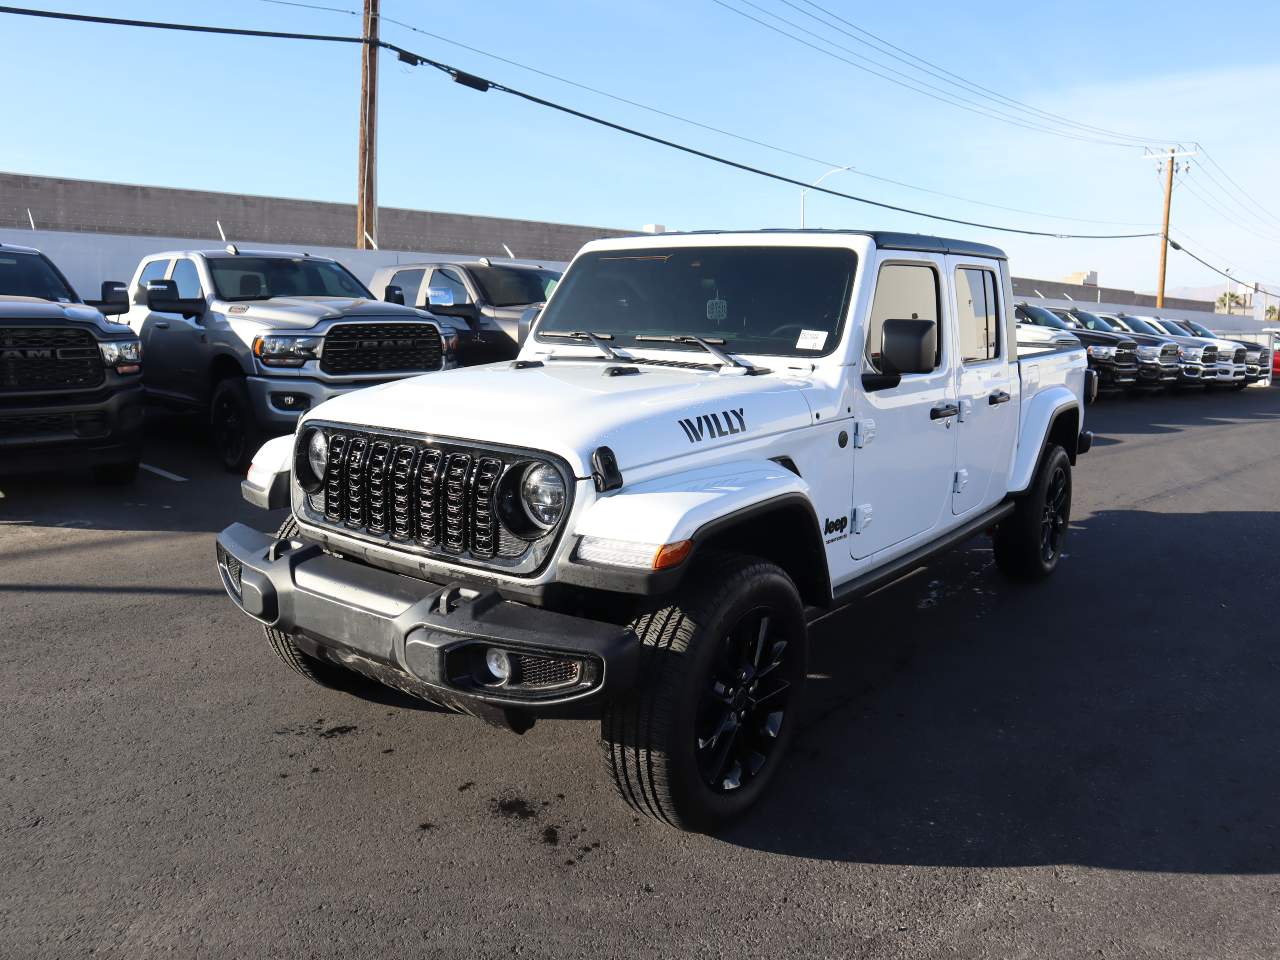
[[597, 340], [705, 344]]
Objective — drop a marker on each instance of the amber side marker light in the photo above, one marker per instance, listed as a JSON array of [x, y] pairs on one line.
[[672, 554]]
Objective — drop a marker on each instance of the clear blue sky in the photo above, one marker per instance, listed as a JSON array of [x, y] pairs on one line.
[[280, 117]]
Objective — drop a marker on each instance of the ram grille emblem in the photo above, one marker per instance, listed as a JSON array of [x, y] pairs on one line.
[[709, 426]]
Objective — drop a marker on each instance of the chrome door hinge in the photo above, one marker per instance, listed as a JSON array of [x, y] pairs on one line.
[[966, 409], [961, 478], [861, 517], [864, 431]]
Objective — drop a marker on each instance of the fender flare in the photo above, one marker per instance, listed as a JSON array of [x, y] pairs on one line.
[[697, 505], [267, 485], [1037, 422]]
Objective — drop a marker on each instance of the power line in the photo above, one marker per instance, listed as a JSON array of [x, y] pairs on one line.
[[1244, 192], [918, 86], [185, 27], [947, 76]]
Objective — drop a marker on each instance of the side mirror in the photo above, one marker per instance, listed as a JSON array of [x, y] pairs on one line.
[[527, 320], [909, 346], [393, 294], [162, 297], [115, 299]]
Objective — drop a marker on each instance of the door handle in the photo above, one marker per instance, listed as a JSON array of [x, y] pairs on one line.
[[944, 411], [162, 324], [1000, 396]]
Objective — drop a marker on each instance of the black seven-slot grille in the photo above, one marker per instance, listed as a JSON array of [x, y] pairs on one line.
[[434, 496], [381, 347], [48, 358]]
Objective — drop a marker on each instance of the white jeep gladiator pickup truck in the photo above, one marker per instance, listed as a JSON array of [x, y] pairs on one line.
[[706, 441]]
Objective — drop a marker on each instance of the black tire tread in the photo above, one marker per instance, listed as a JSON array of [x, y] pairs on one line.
[[1016, 543], [317, 671], [635, 724]]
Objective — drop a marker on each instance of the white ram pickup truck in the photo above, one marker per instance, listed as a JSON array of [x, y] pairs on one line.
[[706, 441]]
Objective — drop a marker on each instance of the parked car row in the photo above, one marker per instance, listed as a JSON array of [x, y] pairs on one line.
[[249, 340], [1135, 353]]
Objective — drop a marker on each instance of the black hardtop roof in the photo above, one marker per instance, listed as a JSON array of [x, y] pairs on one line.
[[884, 239]]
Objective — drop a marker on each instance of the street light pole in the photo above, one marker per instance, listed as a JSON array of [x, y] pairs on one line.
[[814, 184]]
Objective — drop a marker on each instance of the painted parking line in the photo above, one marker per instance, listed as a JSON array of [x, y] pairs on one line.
[[162, 473]]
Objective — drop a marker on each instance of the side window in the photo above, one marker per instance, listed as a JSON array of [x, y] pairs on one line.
[[904, 291], [451, 280], [410, 281], [155, 270], [977, 314], [188, 281]]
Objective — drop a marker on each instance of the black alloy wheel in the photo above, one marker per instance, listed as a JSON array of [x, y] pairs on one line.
[[1053, 523], [745, 703]]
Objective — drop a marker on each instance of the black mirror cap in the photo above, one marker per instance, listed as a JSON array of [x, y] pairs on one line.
[[909, 346], [162, 297], [115, 299], [393, 294]]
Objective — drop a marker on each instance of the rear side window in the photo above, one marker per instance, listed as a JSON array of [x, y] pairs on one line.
[[187, 279], [977, 315], [155, 270], [904, 291], [409, 281]]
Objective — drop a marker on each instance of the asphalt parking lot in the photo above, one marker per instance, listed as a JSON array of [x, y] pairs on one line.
[[1089, 767]]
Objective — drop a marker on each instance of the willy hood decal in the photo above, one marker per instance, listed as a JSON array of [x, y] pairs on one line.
[[709, 426]]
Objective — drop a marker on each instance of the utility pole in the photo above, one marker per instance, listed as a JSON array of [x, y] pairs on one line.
[[367, 181], [1169, 171], [1164, 230]]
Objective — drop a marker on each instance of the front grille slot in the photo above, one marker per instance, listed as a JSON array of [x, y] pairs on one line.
[[355, 503], [381, 348], [402, 464], [457, 473], [48, 358], [379, 455], [428, 497], [484, 518]]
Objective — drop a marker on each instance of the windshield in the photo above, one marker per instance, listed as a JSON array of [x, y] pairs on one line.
[[1142, 326], [261, 278], [1169, 328], [778, 301], [1197, 328], [514, 287], [1094, 322], [1041, 317], [33, 275]]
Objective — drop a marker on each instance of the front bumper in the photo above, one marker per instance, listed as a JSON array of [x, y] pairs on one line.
[[101, 428], [1190, 373], [1113, 376], [1153, 373], [278, 402], [1225, 373], [427, 639]]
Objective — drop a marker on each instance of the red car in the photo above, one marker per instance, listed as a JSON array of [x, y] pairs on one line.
[[1275, 363]]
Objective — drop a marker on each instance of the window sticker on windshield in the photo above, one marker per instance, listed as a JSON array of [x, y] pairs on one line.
[[811, 340], [717, 309]]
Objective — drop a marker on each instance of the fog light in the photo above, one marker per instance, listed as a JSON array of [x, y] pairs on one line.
[[498, 664]]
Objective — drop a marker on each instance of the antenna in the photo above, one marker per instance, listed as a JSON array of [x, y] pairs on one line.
[[222, 233], [372, 243], [31, 219], [509, 253]]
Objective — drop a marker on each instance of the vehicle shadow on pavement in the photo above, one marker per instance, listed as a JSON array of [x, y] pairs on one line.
[[991, 724], [1172, 411]]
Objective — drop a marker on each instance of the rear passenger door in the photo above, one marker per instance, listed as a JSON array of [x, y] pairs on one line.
[[905, 445], [988, 421]]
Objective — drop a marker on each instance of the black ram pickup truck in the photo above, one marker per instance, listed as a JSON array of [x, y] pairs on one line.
[[70, 381], [1113, 357]]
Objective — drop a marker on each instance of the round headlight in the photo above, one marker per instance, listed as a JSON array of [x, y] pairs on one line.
[[542, 492], [313, 461]]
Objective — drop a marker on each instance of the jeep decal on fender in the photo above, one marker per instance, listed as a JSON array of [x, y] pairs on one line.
[[713, 425]]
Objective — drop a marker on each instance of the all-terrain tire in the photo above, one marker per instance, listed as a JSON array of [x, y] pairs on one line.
[[662, 740], [317, 671], [1029, 542]]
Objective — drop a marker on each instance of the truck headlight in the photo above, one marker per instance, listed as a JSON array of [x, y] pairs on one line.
[[1102, 353], [312, 460], [1149, 352], [543, 495], [1192, 354], [124, 355], [274, 350]]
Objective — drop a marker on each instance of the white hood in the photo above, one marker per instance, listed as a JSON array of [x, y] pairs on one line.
[[571, 407]]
